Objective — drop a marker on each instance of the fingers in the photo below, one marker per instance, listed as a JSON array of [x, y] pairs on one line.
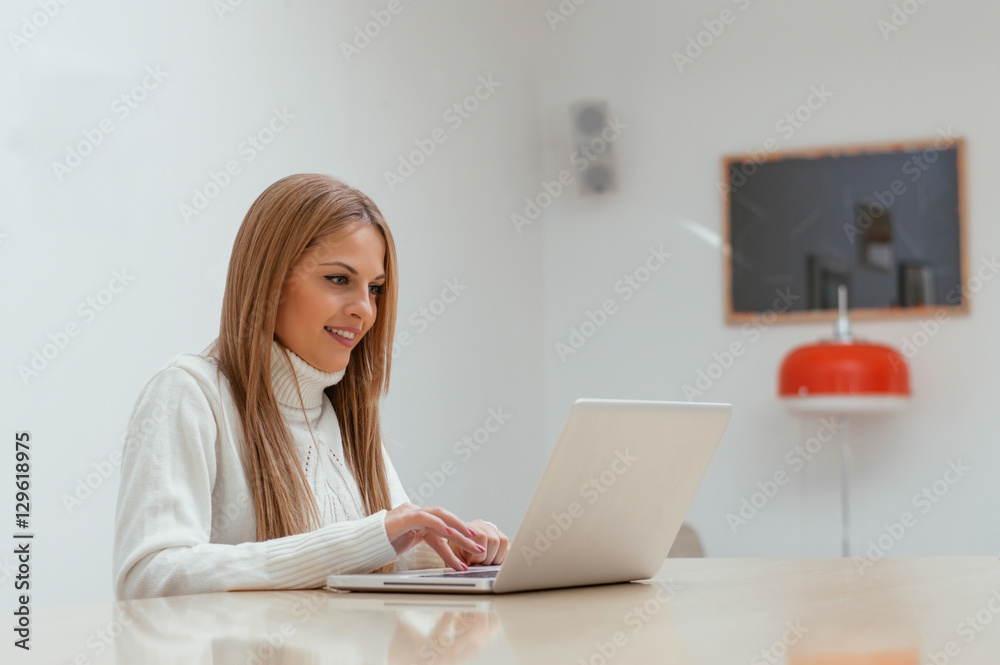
[[446, 553], [483, 540], [492, 545], [407, 524], [502, 548], [447, 526], [493, 540], [406, 518]]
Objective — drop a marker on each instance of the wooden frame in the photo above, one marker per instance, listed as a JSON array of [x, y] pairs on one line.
[[761, 158]]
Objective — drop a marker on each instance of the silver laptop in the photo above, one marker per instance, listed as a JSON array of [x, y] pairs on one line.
[[607, 508]]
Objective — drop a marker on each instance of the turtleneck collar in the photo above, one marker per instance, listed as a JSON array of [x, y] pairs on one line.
[[311, 380]]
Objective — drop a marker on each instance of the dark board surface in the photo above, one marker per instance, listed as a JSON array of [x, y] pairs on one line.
[[797, 224]]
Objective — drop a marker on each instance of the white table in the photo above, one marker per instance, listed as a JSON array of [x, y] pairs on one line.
[[697, 611]]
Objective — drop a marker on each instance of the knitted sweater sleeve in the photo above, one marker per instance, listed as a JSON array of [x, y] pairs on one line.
[[164, 511]]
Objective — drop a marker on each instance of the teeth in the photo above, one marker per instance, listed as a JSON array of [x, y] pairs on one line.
[[342, 333]]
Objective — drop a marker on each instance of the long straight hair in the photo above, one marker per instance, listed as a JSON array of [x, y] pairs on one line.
[[291, 217]]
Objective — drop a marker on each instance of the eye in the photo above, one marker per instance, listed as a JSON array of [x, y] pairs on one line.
[[343, 280]]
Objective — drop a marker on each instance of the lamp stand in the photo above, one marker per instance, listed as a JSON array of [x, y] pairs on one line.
[[845, 492]]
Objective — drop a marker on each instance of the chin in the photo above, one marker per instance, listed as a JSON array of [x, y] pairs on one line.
[[326, 362], [335, 365]]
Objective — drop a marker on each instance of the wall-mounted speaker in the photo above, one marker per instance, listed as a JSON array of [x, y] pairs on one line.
[[594, 135]]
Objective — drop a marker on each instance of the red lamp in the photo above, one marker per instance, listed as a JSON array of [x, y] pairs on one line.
[[842, 376]]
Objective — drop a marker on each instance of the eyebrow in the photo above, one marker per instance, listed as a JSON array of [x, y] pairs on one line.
[[349, 268]]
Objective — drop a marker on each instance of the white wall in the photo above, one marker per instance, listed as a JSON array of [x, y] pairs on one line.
[[930, 74], [120, 210], [494, 347]]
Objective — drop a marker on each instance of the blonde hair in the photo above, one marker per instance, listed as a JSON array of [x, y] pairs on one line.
[[291, 217]]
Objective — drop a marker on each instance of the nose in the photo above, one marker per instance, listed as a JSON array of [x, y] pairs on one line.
[[361, 305]]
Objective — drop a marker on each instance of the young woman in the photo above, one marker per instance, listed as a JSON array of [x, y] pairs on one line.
[[259, 464]]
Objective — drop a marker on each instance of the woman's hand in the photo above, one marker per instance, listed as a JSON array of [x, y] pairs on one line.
[[490, 537], [407, 525]]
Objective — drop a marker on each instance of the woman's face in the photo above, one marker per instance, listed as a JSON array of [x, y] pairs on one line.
[[330, 298]]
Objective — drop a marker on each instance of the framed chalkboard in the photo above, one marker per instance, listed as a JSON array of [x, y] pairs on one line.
[[886, 220]]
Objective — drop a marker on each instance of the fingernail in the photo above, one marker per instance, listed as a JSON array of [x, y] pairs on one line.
[[481, 548], [473, 532], [464, 567], [450, 530]]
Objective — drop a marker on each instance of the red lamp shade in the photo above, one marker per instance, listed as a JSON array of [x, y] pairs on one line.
[[844, 376]]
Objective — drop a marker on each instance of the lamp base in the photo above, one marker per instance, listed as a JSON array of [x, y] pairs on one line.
[[827, 404]]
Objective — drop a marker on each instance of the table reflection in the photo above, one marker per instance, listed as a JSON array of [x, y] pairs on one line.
[[627, 623], [698, 612]]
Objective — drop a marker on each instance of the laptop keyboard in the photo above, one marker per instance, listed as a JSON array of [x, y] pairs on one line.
[[465, 574]]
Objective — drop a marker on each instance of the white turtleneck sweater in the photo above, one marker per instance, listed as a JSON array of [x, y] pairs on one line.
[[185, 519]]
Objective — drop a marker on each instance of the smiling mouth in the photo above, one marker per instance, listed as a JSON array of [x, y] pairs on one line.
[[343, 333]]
